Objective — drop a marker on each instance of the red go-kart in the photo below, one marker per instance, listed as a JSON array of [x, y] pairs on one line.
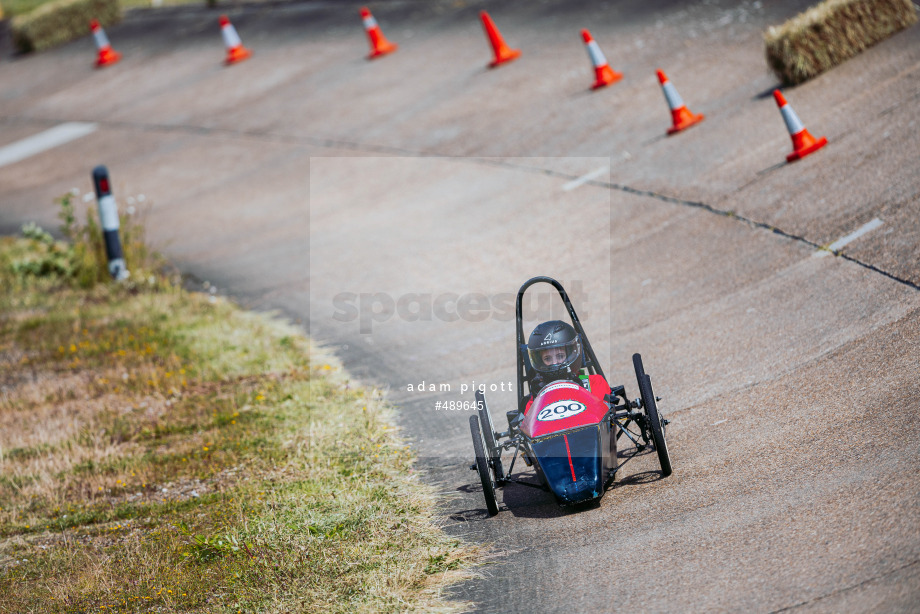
[[568, 431]]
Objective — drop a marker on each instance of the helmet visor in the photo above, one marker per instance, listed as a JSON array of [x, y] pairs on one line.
[[555, 358]]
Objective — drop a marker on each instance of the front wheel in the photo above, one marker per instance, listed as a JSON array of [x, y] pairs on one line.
[[482, 466], [488, 432], [655, 422]]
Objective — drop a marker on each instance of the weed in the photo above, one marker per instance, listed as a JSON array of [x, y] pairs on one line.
[[81, 258]]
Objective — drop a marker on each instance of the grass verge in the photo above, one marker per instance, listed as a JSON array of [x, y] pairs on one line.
[[165, 451], [830, 33]]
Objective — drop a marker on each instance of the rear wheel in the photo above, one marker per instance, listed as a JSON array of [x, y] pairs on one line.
[[482, 466], [655, 421], [488, 436]]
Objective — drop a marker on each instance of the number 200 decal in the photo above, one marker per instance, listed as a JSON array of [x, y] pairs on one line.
[[560, 410]]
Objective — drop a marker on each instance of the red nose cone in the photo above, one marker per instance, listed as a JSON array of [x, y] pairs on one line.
[[93, 25], [365, 12], [586, 36], [661, 76], [224, 21], [780, 99]]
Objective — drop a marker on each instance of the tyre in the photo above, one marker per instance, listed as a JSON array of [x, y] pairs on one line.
[[655, 422], [488, 435], [482, 466]]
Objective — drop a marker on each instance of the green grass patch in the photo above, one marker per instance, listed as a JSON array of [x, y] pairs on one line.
[[166, 451], [830, 33]]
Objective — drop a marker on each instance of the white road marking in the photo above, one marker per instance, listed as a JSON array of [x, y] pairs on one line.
[[836, 245], [43, 141], [585, 178]]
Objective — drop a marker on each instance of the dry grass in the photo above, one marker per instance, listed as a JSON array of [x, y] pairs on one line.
[[831, 33], [164, 451]]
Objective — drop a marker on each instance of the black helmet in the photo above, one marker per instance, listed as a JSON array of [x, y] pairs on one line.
[[554, 350]]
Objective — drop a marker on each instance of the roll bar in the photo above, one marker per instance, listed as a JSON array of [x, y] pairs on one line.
[[524, 368]]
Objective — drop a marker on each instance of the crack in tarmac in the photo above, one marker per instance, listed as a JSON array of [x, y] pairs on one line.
[[722, 212], [845, 589], [755, 224], [334, 143]]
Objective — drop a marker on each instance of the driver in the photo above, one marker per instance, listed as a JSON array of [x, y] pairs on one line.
[[552, 357], [555, 352]]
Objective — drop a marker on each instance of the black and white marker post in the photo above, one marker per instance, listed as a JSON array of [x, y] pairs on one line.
[[108, 218]]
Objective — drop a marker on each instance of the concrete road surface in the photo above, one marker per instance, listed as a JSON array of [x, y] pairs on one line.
[[395, 206]]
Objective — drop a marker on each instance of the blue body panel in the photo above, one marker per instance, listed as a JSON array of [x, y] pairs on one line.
[[577, 472]]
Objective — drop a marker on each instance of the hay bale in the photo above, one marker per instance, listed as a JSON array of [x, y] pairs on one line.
[[831, 33], [60, 22]]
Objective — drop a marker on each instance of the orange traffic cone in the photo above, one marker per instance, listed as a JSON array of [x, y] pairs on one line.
[[107, 55], [235, 50], [379, 44], [802, 141], [604, 75], [680, 114], [503, 53]]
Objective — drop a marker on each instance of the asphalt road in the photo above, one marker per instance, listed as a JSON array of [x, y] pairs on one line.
[[368, 198]]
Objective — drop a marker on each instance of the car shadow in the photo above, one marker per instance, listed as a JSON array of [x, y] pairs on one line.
[[470, 515], [624, 456], [531, 502], [527, 502], [636, 479], [522, 501]]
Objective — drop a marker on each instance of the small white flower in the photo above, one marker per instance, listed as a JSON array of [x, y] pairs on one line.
[[141, 198], [213, 290], [130, 210], [130, 200], [87, 197], [75, 191]]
